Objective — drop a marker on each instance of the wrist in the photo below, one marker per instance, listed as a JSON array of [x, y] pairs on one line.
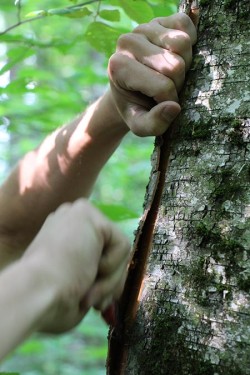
[[100, 128], [44, 292], [113, 113], [26, 299]]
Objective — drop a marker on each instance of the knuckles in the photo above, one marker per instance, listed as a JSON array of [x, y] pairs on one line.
[[166, 90], [178, 21], [183, 43], [116, 61], [130, 43], [143, 28], [182, 21], [118, 64], [179, 67], [126, 40]]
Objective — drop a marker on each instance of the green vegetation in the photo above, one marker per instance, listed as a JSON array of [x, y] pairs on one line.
[[229, 4], [52, 65]]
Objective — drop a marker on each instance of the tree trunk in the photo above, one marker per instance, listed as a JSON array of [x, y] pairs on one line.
[[190, 315]]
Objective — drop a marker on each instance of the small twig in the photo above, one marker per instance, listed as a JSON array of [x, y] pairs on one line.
[[19, 8], [20, 22], [82, 4], [98, 8]]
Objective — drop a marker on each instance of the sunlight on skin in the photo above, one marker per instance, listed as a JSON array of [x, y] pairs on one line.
[[26, 171], [81, 129], [164, 62], [39, 159]]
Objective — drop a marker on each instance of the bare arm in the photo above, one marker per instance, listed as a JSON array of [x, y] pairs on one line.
[[62, 169], [53, 285], [146, 73], [17, 280], [78, 258]]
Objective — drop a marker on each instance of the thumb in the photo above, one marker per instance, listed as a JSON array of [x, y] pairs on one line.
[[153, 122]]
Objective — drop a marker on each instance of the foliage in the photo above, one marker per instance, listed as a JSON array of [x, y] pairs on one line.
[[50, 71], [53, 58]]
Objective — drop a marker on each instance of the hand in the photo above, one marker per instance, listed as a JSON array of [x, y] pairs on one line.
[[148, 70], [84, 257]]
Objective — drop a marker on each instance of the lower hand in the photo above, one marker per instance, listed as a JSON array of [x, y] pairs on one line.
[[84, 257]]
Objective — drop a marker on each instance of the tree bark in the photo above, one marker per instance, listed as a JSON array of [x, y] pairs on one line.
[[187, 311]]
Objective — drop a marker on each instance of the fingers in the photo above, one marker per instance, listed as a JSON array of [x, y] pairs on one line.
[[112, 267], [84, 258], [154, 55], [115, 253], [181, 22], [156, 121], [112, 273], [148, 69], [111, 276], [106, 290], [140, 111], [152, 122], [144, 79], [171, 41], [163, 36], [145, 122]]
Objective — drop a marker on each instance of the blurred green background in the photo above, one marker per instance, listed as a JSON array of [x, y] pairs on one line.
[[50, 69]]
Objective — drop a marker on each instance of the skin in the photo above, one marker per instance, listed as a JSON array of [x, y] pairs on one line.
[[59, 255]]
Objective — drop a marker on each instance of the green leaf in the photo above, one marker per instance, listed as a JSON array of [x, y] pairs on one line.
[[32, 41], [139, 10], [116, 212], [31, 346], [13, 38], [16, 55], [76, 12], [70, 12], [102, 37], [164, 10], [37, 13], [110, 15]]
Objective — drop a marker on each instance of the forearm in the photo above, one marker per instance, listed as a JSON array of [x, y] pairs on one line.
[[24, 299], [62, 169]]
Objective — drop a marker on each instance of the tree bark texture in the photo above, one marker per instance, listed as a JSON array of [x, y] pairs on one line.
[[190, 313]]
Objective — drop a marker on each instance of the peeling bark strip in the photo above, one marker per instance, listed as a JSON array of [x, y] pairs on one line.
[[192, 9], [128, 305], [192, 317]]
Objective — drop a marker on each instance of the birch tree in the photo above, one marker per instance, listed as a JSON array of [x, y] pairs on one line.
[[185, 308]]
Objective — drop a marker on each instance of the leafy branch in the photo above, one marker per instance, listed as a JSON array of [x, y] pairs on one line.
[[71, 11]]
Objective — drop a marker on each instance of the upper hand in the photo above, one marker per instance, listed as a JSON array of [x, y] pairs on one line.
[[148, 71]]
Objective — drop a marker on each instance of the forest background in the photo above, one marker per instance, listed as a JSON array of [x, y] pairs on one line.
[[52, 65]]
